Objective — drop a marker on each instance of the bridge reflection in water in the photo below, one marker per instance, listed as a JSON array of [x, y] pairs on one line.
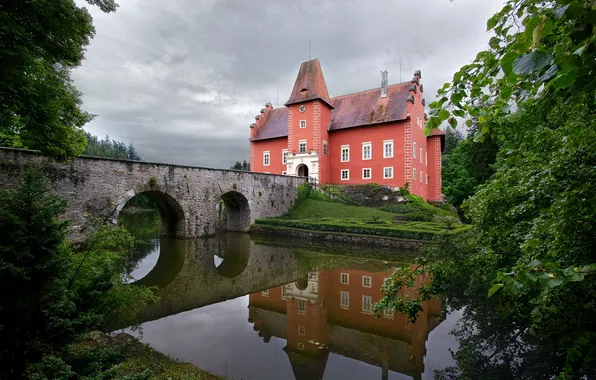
[[314, 306]]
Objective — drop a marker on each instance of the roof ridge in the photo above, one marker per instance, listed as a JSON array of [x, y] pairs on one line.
[[370, 89]]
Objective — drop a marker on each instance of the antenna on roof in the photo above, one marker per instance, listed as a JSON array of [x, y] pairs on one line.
[[309, 57]]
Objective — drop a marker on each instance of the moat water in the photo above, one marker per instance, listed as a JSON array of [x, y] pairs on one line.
[[254, 309]]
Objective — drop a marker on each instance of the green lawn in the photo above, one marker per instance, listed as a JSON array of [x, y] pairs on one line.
[[317, 215], [310, 208]]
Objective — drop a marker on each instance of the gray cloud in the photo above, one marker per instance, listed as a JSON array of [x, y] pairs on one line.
[[183, 79]]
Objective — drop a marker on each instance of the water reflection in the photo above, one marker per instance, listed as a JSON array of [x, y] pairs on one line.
[[269, 310], [330, 312]]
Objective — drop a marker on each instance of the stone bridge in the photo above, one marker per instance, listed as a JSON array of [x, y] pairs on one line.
[[189, 198]]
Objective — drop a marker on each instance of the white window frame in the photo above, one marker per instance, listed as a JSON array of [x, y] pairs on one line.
[[341, 278], [414, 148], [341, 299], [301, 310], [265, 293], [421, 150], [385, 143], [426, 157], [369, 172], [369, 310], [347, 149], [325, 147], [341, 176], [302, 124], [300, 142], [421, 176], [369, 146], [284, 156], [385, 173], [364, 281], [266, 158], [427, 179], [301, 330], [414, 177]]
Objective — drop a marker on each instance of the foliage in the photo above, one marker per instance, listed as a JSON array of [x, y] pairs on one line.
[[538, 49], [152, 181], [56, 294], [452, 138], [40, 43], [244, 166], [467, 166], [110, 148], [304, 191]]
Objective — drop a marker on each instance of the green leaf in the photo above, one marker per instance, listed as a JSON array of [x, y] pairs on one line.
[[495, 288], [531, 62], [513, 286], [494, 42], [526, 278], [507, 61], [505, 92], [492, 21], [469, 123], [453, 122], [459, 113], [443, 115]]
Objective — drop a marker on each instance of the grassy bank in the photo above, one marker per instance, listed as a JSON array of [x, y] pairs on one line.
[[413, 220], [135, 360]]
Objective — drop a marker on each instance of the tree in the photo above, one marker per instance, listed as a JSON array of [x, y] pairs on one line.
[[40, 43], [243, 166], [531, 262], [110, 148], [452, 138], [55, 294]]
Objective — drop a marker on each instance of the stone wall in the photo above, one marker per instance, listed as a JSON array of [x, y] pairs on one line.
[[186, 196]]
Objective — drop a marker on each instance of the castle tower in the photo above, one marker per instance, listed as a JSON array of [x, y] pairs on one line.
[[309, 117]]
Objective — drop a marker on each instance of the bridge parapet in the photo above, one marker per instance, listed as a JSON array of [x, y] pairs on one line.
[[187, 196]]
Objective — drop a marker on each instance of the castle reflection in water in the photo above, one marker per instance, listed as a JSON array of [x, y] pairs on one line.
[[331, 312]]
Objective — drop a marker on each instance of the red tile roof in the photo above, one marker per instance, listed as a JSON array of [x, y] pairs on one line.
[[310, 84], [367, 107], [436, 132], [275, 126], [353, 110]]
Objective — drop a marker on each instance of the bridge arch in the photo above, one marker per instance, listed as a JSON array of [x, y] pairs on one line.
[[234, 253], [237, 212], [170, 211]]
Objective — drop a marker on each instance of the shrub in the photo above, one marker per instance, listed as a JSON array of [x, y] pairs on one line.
[[304, 191], [152, 181]]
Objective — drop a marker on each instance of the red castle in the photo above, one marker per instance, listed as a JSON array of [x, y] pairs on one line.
[[372, 136]]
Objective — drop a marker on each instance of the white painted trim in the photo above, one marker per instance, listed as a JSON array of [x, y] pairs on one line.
[[363, 169], [421, 150], [392, 148], [302, 122], [284, 156], [341, 151], [414, 177], [369, 144], [301, 330], [421, 176], [305, 148], [364, 277], [325, 148], [414, 148], [367, 311], [388, 167], [341, 299], [341, 278], [341, 176], [267, 154]]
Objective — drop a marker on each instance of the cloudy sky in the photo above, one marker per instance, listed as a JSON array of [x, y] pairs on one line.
[[183, 79]]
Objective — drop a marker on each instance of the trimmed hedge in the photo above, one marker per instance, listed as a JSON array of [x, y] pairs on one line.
[[405, 231]]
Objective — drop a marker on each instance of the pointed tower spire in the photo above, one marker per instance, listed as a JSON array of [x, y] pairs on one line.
[[310, 84]]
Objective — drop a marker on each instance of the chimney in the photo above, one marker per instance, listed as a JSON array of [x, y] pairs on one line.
[[384, 84]]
